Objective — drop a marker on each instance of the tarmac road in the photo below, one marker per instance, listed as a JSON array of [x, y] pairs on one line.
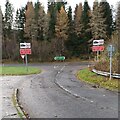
[[56, 93]]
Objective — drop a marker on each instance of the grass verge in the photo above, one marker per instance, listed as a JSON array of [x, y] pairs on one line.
[[18, 70], [92, 78]]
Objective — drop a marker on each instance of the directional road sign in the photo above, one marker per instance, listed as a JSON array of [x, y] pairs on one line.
[[98, 42], [25, 51], [25, 45], [59, 58], [97, 48]]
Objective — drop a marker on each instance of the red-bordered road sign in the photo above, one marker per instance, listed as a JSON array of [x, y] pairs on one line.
[[25, 51], [22, 56], [98, 48]]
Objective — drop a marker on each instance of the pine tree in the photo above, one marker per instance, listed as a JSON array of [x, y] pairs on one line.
[[0, 33], [61, 30], [16, 24], [72, 42], [52, 20], [98, 25], [118, 31], [59, 4], [19, 24], [39, 21], [107, 15], [86, 16], [7, 29], [0, 23], [8, 18], [29, 21], [53, 8], [78, 25], [77, 20]]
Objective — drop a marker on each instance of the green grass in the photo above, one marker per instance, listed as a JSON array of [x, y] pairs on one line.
[[92, 78], [18, 70]]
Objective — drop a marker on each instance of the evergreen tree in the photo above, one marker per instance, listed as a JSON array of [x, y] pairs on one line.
[[7, 29], [118, 31], [0, 33], [16, 24], [1, 18], [61, 29], [39, 22], [86, 16], [78, 25], [59, 4], [118, 17], [52, 20], [8, 18], [53, 8], [29, 21], [78, 21], [98, 25], [19, 24], [72, 42], [107, 15]]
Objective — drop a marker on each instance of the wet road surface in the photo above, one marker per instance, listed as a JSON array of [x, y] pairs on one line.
[[56, 93]]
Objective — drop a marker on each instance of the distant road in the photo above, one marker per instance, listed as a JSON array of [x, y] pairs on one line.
[[56, 93]]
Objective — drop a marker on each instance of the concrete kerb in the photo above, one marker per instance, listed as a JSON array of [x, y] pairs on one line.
[[18, 107]]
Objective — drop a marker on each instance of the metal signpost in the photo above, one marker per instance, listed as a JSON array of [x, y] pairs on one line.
[[25, 48], [110, 50], [98, 46]]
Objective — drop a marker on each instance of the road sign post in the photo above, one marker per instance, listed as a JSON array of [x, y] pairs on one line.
[[25, 48], [26, 61], [98, 46], [97, 55], [110, 50]]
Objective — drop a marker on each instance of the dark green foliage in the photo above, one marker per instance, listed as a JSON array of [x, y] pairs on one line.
[[118, 32], [87, 34], [8, 15], [37, 10], [20, 20], [52, 22], [72, 44], [107, 14], [53, 7], [55, 32]]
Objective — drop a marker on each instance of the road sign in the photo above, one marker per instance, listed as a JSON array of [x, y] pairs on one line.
[[22, 56], [110, 48], [98, 42], [25, 45], [97, 48], [59, 58], [25, 51]]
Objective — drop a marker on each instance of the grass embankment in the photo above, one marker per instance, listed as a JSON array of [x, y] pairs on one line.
[[18, 70], [92, 78]]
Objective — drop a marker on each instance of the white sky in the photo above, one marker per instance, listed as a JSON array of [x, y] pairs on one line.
[[19, 3]]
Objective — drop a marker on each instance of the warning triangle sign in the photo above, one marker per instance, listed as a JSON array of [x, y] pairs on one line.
[[22, 56]]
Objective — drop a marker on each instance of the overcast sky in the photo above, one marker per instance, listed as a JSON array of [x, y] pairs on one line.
[[19, 3]]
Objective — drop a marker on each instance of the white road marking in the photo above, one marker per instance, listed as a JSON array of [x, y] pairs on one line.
[[62, 68]]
